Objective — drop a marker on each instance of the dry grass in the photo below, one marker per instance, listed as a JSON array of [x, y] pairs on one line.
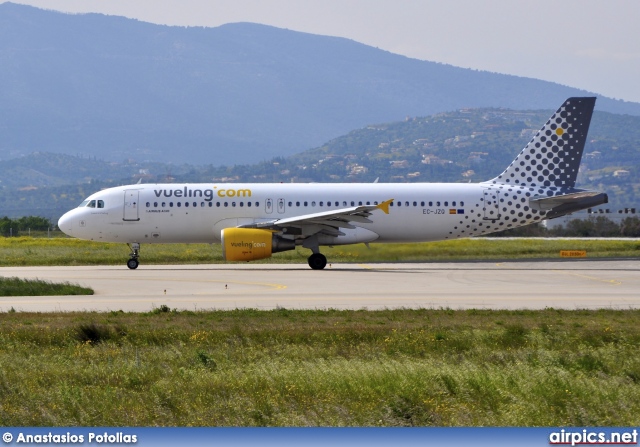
[[329, 368]]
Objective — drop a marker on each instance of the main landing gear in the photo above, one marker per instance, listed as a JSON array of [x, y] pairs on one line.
[[133, 263], [317, 261]]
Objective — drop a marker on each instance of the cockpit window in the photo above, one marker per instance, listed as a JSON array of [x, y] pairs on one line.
[[92, 204]]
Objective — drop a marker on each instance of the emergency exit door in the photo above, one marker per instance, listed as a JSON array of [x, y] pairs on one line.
[[491, 204]]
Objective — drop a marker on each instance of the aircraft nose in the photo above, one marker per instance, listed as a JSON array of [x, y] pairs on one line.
[[65, 224]]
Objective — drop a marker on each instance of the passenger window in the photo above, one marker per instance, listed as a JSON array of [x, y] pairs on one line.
[[461, 203], [155, 204], [399, 203], [226, 204], [186, 203], [257, 204], [164, 204], [249, 204], [233, 204], [313, 203], [343, 203], [359, 203], [430, 203], [195, 204], [421, 203], [438, 203], [297, 203], [148, 204], [306, 203], [321, 204], [453, 203], [446, 203], [406, 203], [290, 204], [170, 204], [415, 203], [353, 203], [241, 203], [202, 204], [218, 204], [210, 204], [179, 204]]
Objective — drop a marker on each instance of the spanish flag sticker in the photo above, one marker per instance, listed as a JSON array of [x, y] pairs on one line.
[[452, 211]]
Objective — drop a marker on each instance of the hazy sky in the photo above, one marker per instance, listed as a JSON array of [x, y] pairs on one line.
[[589, 44]]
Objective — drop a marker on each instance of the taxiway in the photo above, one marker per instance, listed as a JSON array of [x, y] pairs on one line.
[[567, 284]]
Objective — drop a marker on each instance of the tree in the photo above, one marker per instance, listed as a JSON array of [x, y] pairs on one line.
[[33, 223], [11, 227], [5, 225], [601, 226], [630, 227]]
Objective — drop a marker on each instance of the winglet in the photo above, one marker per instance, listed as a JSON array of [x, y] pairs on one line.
[[384, 206]]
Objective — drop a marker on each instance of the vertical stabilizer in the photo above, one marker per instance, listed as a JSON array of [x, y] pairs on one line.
[[552, 157]]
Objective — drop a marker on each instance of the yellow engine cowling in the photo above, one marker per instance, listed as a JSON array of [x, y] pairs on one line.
[[250, 244]]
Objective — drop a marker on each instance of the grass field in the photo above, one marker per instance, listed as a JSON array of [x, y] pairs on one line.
[[321, 368], [23, 251], [36, 287]]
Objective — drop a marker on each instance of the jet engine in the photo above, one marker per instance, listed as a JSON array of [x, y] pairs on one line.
[[249, 244]]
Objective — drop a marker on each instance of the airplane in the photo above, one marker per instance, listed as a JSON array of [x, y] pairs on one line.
[[253, 221]]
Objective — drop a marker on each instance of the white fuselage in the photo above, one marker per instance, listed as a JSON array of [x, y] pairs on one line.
[[196, 213]]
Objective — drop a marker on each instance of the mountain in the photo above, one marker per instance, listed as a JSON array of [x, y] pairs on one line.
[[117, 88]]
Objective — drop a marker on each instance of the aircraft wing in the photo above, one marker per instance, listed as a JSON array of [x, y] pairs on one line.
[[557, 206], [327, 222]]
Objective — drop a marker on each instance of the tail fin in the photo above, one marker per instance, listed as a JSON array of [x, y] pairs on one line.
[[552, 157]]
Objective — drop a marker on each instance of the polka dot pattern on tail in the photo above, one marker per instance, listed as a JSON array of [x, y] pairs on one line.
[[552, 158]]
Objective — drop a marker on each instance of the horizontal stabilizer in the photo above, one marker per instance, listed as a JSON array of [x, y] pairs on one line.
[[557, 206]]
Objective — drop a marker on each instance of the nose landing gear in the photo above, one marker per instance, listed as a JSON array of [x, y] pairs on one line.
[[133, 263]]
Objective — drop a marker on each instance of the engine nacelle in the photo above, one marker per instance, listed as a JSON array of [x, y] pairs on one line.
[[249, 244]]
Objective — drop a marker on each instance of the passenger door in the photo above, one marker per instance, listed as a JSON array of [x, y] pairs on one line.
[[131, 205]]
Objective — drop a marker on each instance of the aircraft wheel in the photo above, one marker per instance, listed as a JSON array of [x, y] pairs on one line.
[[132, 264], [317, 261]]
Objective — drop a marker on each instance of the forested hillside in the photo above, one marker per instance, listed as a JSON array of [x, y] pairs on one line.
[[468, 145]]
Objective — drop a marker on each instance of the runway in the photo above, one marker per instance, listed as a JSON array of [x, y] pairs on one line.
[[567, 284]]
